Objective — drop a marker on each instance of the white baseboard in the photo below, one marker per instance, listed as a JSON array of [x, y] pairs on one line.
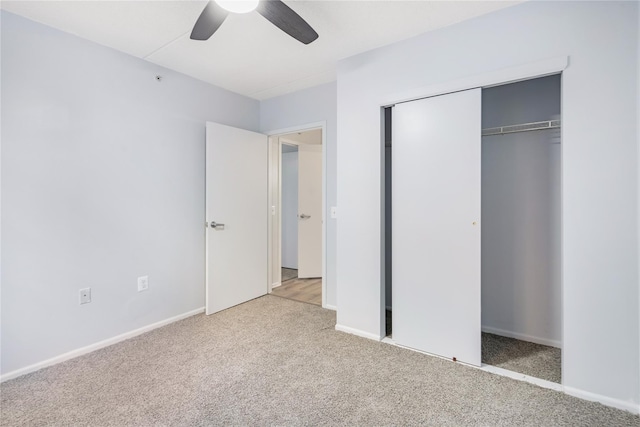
[[96, 346], [521, 377], [330, 307], [522, 337], [632, 407], [358, 332], [275, 285]]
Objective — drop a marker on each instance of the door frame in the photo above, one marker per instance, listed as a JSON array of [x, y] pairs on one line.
[[527, 71], [274, 197]]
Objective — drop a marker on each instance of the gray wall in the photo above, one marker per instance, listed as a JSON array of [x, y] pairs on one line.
[[388, 211], [521, 289], [102, 182], [301, 108], [533, 100], [599, 170], [388, 230], [290, 210]]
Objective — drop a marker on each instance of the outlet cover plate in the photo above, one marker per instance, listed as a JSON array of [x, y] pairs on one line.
[[85, 296], [143, 283]]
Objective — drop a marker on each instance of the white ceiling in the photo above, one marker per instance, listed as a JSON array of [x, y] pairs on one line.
[[248, 54]]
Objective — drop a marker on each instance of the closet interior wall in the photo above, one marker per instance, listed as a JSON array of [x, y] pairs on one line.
[[521, 202]]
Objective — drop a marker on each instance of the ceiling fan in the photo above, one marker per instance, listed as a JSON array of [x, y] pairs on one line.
[[278, 13]]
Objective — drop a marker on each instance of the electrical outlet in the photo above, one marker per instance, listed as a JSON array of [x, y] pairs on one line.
[[85, 296], [143, 283]]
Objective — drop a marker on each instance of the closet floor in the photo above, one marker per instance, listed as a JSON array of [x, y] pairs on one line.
[[527, 358], [535, 360]]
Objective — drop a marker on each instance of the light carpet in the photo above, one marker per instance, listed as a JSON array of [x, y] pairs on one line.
[[274, 361], [535, 360], [531, 359]]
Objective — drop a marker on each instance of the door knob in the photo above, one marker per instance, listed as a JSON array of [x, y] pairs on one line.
[[217, 225], [305, 216]]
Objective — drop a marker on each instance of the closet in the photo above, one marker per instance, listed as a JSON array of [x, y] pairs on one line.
[[521, 200], [474, 178]]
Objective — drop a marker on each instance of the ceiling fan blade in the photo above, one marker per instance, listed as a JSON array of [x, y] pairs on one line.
[[209, 21], [283, 17]]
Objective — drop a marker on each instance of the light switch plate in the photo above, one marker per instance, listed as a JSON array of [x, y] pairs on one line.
[[143, 283], [334, 212]]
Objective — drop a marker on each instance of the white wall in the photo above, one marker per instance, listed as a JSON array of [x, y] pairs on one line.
[[600, 170], [102, 182], [521, 289], [638, 139], [290, 210], [307, 106]]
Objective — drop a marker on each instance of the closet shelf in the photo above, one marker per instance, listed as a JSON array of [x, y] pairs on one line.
[[525, 127]]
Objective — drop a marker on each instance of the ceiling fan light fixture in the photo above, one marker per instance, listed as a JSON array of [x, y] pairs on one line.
[[274, 11], [238, 6]]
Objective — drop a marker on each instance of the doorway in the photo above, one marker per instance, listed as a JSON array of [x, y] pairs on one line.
[[297, 206], [514, 291], [521, 228]]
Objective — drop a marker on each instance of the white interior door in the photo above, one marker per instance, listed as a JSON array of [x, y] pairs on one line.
[[309, 211], [436, 225], [236, 200]]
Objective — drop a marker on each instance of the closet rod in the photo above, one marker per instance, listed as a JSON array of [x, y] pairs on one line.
[[525, 127]]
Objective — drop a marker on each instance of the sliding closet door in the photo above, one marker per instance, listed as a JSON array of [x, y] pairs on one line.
[[436, 225]]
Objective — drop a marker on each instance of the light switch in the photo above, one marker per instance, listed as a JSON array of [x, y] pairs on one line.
[[334, 212]]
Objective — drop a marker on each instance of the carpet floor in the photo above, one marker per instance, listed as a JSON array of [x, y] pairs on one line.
[[274, 361], [527, 358]]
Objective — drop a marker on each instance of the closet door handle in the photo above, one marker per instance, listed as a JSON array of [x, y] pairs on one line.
[[304, 216]]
